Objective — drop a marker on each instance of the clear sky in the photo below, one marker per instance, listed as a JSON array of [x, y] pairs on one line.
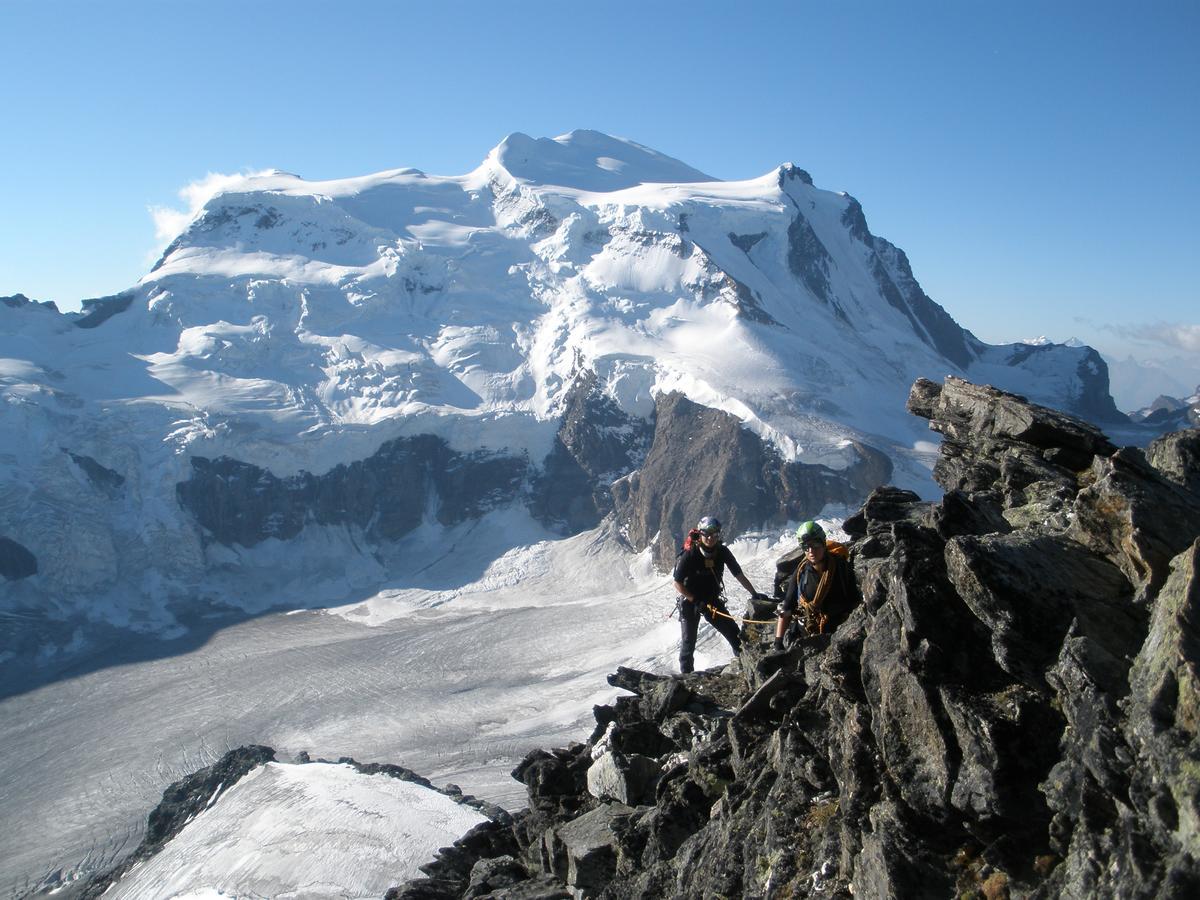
[[1038, 161]]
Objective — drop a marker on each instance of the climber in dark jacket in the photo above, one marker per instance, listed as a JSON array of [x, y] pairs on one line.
[[822, 586], [699, 580]]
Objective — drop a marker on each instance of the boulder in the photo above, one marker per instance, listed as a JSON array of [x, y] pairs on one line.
[[588, 846], [1176, 456], [630, 780], [488, 875]]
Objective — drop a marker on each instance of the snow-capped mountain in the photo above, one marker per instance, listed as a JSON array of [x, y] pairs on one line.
[[336, 362]]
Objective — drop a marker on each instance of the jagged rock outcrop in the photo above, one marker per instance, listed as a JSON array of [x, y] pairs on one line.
[[1177, 457], [98, 310], [1010, 712], [702, 462], [20, 301]]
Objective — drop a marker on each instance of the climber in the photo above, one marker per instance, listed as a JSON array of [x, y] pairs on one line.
[[822, 585], [699, 580]]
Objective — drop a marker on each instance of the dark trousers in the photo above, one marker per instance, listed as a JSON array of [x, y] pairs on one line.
[[689, 621]]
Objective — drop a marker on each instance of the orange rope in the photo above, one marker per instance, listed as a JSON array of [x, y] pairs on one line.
[[717, 612]]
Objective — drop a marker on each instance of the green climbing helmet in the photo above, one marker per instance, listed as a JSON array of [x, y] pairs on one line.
[[810, 533]]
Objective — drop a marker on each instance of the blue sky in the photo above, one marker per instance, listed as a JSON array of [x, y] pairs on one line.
[[1037, 161]]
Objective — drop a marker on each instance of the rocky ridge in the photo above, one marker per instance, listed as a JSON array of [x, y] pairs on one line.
[[1010, 712], [656, 473]]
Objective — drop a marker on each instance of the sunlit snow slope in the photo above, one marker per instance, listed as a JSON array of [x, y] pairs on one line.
[[315, 830]]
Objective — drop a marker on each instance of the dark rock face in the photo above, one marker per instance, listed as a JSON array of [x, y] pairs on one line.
[[20, 301], [1094, 401], [16, 561], [386, 495], [808, 259], [745, 242], [745, 300], [1012, 710], [703, 462], [596, 444], [792, 172], [99, 310], [659, 477], [930, 321]]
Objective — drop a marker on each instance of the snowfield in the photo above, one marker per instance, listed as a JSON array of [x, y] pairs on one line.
[[316, 830]]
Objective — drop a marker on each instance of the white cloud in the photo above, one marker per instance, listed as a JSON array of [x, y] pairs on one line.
[[1178, 336], [170, 222]]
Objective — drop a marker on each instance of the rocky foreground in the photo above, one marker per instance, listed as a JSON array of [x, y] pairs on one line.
[[1011, 712]]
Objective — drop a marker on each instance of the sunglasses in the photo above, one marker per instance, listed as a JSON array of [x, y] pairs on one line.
[[711, 534]]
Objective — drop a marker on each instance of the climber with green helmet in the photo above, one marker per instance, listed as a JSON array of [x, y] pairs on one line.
[[821, 587]]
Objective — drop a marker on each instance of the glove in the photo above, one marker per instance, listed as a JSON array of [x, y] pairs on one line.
[[778, 646], [759, 595]]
